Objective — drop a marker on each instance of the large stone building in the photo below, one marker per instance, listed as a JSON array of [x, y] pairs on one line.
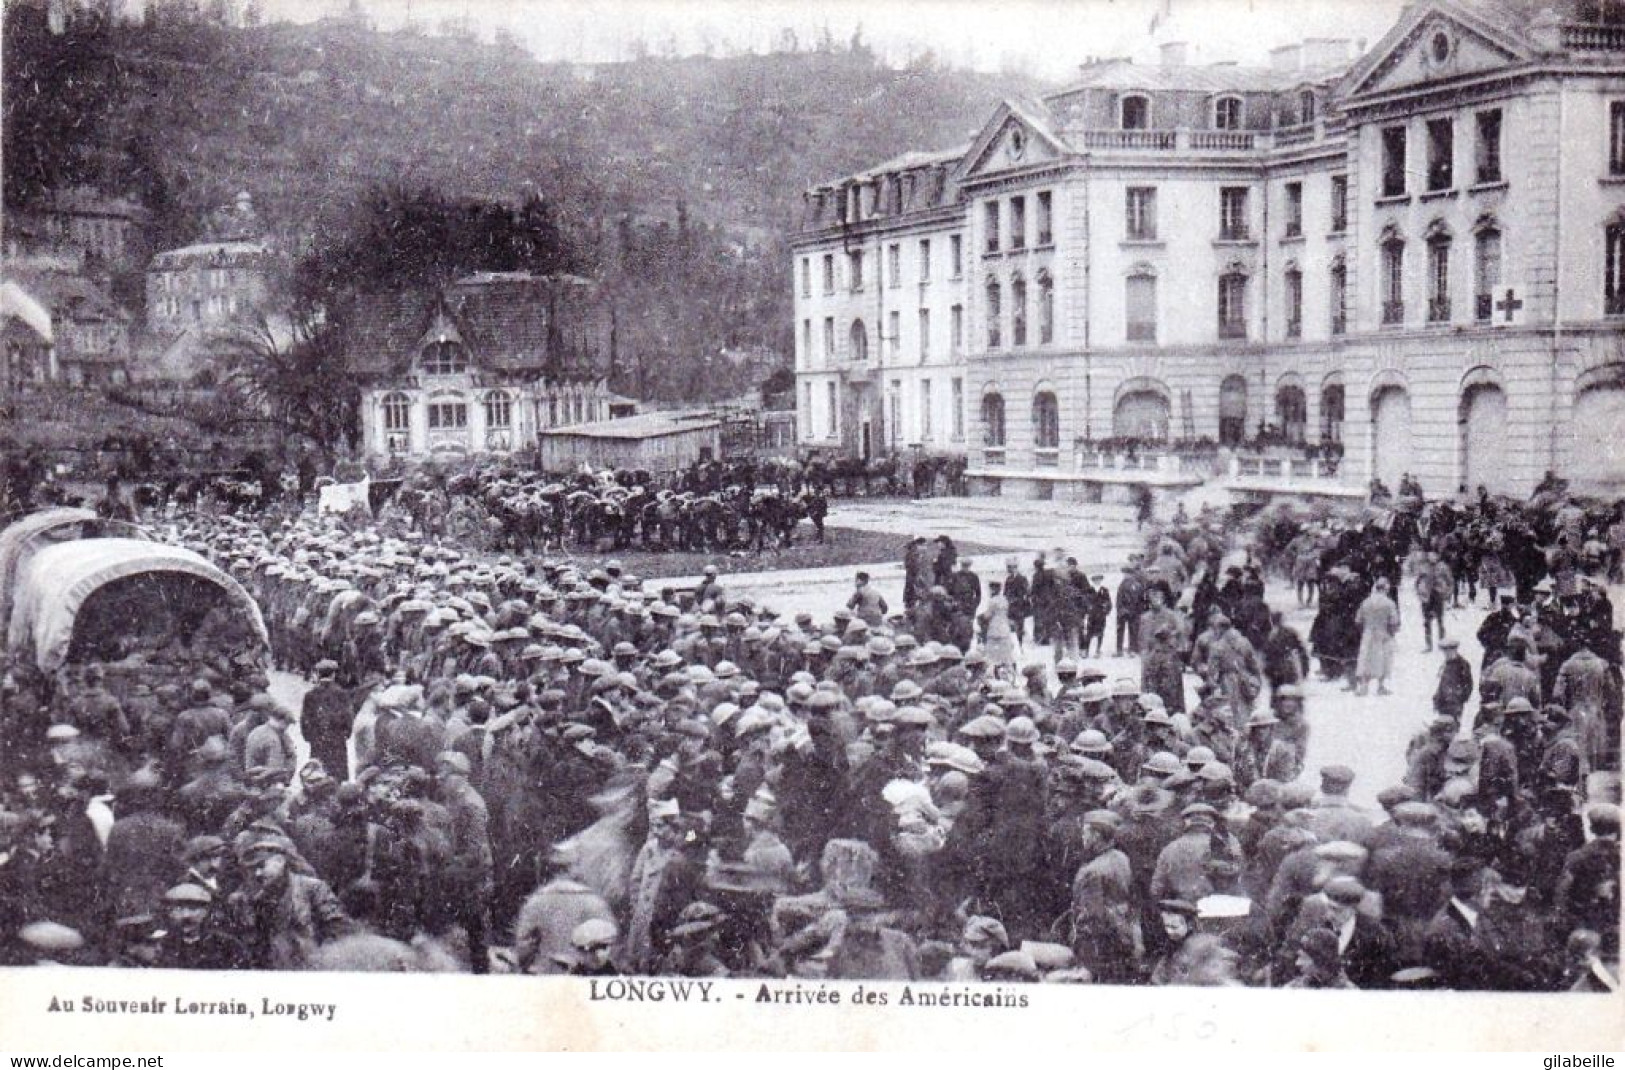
[[1297, 276], [482, 365]]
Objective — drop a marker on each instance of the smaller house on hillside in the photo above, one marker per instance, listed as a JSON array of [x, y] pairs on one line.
[[90, 335], [482, 364]]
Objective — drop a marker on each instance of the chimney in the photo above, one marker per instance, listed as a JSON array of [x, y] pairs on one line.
[[1286, 58], [1175, 53]]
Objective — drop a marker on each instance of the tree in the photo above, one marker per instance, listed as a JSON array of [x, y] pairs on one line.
[[301, 384]]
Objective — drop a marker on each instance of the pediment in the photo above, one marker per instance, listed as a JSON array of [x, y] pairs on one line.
[[1433, 44], [1010, 141]]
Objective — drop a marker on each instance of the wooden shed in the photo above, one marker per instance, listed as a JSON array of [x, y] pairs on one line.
[[657, 441]]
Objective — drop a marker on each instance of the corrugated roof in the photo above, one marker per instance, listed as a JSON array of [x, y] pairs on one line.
[[643, 425]]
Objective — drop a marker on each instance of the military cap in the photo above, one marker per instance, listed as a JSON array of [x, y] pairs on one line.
[[1335, 779], [1065, 667], [914, 717], [61, 733], [1091, 741], [1341, 851], [1216, 772], [1021, 730], [1162, 763], [1344, 889], [1518, 704], [1017, 965], [953, 756], [1199, 756], [1125, 688], [1199, 812], [194, 894], [906, 691], [1415, 814], [983, 727]]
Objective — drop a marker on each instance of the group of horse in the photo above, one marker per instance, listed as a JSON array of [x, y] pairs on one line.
[[618, 511]]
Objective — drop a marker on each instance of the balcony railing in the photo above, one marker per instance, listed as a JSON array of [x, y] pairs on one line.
[[1282, 470], [1049, 457], [1483, 307], [1594, 38], [1161, 140], [1393, 312], [1235, 232], [1439, 310], [1221, 139], [1232, 329]]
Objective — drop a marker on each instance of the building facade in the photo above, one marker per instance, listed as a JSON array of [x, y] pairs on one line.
[[482, 365], [1330, 269]]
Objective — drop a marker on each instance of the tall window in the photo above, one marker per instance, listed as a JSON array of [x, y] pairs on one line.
[[957, 413], [894, 412], [1487, 147], [858, 340], [925, 410], [1135, 112], [806, 276], [397, 412], [498, 411], [1439, 280], [1294, 209], [1614, 269], [1393, 281], [1233, 305], [1046, 221], [1616, 137], [1140, 305], [956, 256], [447, 415], [1393, 161], [1046, 421], [925, 334], [1018, 311], [444, 358], [956, 329], [994, 312], [1046, 308], [1441, 154], [990, 221], [1294, 303], [829, 273], [894, 332], [1339, 296], [925, 259], [894, 264], [1140, 210], [1018, 222], [1306, 106], [1227, 113], [806, 344], [829, 339], [831, 412], [993, 419], [855, 269], [1486, 272], [1233, 213], [806, 407], [1340, 203]]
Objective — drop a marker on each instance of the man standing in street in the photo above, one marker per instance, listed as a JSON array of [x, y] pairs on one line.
[[1455, 682]]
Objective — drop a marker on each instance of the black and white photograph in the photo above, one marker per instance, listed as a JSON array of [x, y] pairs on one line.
[[950, 498]]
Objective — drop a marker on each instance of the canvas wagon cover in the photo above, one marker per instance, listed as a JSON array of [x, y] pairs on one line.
[[54, 583], [15, 541]]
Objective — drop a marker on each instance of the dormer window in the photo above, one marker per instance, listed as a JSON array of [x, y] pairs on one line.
[[1135, 112], [1227, 113], [1306, 106], [444, 358]]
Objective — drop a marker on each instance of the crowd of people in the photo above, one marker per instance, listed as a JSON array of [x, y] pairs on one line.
[[510, 764]]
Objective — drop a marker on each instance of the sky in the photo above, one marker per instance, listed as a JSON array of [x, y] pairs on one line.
[[1047, 38]]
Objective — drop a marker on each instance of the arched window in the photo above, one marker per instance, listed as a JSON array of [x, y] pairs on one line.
[[498, 411], [1018, 311], [1331, 412], [1227, 113], [1046, 308], [994, 312], [397, 410], [993, 419], [1135, 112], [444, 358], [1393, 279], [858, 341], [1292, 413], [1046, 421], [1306, 106]]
